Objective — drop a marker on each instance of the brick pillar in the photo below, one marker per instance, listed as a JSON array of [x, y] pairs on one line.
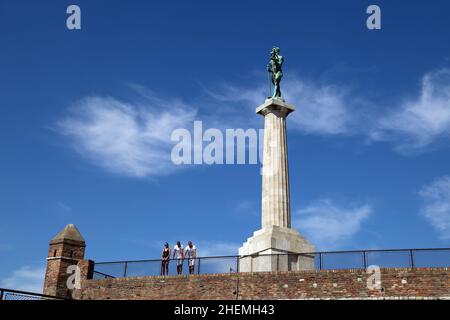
[[86, 268], [66, 249]]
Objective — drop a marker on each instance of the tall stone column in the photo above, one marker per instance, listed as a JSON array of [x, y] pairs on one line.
[[276, 246], [276, 210]]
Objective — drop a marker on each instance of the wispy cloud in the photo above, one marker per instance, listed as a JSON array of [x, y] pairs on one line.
[[127, 138], [217, 248], [213, 248], [418, 123], [25, 278], [322, 108], [336, 109], [328, 225], [247, 207], [206, 248], [251, 96], [133, 138], [436, 208], [64, 207]]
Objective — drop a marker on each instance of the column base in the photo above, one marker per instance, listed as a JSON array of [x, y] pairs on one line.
[[276, 249]]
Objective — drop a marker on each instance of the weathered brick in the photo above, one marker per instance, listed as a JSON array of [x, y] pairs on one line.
[[330, 284]]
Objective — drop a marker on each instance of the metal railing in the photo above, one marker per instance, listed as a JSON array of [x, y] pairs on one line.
[[10, 294], [153, 267], [330, 260]]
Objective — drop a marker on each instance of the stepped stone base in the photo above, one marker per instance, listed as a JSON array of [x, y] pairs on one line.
[[276, 249]]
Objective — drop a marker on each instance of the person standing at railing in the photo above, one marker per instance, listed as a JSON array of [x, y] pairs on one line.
[[191, 252], [165, 259], [178, 256]]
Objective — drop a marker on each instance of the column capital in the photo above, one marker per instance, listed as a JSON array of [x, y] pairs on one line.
[[277, 106]]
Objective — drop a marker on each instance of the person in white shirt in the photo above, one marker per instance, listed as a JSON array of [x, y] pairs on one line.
[[178, 256], [191, 253]]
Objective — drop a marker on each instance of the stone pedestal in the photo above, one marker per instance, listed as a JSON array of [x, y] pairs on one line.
[[276, 246]]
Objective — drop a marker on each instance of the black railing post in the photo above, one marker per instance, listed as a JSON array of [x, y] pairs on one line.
[[198, 268], [411, 258], [125, 270], [365, 259], [320, 261], [1, 294], [237, 264]]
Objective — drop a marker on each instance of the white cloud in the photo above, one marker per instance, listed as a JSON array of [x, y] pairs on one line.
[[322, 109], [131, 139], [247, 207], [329, 226], [330, 109], [26, 279], [229, 93], [216, 248], [436, 208], [418, 123], [63, 207], [206, 248], [225, 250]]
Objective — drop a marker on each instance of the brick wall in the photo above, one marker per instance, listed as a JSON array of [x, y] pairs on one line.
[[61, 255], [421, 282]]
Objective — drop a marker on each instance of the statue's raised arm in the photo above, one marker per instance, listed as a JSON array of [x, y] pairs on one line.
[[274, 68]]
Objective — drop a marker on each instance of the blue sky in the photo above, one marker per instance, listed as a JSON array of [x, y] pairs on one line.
[[86, 116]]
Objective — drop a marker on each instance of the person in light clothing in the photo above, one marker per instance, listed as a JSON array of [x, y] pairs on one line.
[[178, 256], [191, 253]]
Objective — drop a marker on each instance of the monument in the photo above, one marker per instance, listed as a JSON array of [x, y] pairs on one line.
[[276, 246]]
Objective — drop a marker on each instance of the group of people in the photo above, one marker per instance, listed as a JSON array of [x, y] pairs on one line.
[[178, 254]]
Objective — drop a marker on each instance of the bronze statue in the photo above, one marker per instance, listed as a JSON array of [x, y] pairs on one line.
[[274, 68]]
